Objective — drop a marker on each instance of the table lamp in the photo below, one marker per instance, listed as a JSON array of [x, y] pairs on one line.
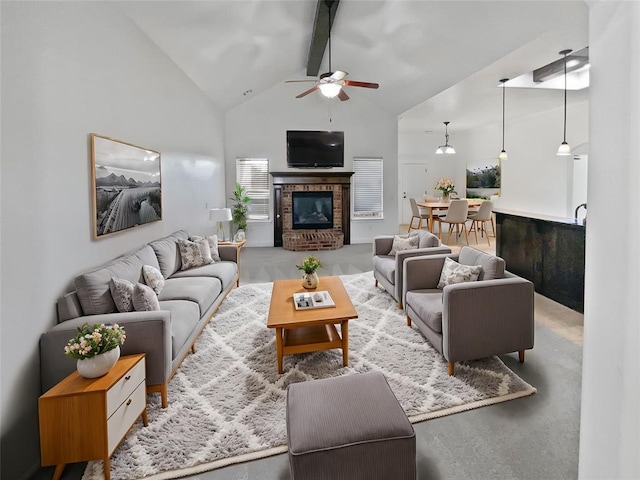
[[220, 215]]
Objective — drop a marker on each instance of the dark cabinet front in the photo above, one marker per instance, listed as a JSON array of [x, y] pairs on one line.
[[548, 253]]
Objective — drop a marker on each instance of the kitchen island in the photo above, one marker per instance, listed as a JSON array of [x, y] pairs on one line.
[[548, 251]]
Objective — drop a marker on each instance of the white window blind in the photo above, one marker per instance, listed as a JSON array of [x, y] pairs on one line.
[[253, 174], [367, 187]]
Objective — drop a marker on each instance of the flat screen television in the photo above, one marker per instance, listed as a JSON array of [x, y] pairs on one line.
[[315, 149]]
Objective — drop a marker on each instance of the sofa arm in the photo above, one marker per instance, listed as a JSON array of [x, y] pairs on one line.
[[402, 255], [228, 253], [422, 272], [382, 244], [487, 317], [147, 332]]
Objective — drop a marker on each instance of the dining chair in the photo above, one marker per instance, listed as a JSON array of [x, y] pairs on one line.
[[415, 214], [456, 217], [480, 218]]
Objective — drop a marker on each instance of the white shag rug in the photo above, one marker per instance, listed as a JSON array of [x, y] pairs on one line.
[[227, 401]]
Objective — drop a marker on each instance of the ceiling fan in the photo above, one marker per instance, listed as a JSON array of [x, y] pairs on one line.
[[331, 83]]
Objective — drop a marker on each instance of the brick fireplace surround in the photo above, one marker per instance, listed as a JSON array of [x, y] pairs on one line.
[[284, 183]]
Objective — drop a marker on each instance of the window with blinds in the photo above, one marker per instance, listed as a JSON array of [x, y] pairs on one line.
[[367, 187], [253, 175]]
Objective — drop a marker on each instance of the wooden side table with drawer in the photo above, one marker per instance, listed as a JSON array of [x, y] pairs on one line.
[[85, 419]]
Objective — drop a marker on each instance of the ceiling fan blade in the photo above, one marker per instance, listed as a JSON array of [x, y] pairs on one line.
[[311, 90], [343, 95], [338, 75], [354, 83], [298, 81]]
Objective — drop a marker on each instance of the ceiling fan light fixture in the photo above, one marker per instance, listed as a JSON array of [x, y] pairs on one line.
[[330, 90], [446, 148]]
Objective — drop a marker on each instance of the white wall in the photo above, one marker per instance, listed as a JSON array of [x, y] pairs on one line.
[[610, 417], [257, 128], [69, 69]]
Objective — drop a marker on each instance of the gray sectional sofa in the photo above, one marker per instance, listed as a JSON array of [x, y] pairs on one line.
[[187, 301]]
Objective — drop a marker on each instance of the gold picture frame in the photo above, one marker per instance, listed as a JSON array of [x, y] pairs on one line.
[[126, 184]]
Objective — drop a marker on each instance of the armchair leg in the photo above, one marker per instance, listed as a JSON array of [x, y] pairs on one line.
[[399, 304], [376, 282], [521, 356], [451, 368], [408, 321]]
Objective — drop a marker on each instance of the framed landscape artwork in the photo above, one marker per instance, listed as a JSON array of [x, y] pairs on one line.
[[127, 187], [483, 179]]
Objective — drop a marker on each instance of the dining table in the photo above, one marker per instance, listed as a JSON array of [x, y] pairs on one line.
[[435, 206]]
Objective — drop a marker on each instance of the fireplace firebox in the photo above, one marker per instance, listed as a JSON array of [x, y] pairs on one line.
[[312, 210]]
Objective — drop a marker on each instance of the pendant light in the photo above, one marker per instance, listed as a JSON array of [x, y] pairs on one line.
[[446, 148], [564, 148], [503, 154]]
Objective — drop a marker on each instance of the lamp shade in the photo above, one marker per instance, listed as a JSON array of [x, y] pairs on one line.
[[503, 155], [220, 214], [564, 149]]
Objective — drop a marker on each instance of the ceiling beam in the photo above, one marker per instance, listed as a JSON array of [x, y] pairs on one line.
[[325, 15]]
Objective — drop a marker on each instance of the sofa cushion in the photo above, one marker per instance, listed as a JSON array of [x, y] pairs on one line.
[[226, 272], [185, 315], [427, 239], [144, 298], [191, 253], [153, 278], [403, 243], [166, 250], [201, 290], [428, 305], [122, 294], [453, 272], [492, 267], [386, 266], [93, 287], [213, 245]]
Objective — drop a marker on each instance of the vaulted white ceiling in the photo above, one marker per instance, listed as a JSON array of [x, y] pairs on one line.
[[434, 60]]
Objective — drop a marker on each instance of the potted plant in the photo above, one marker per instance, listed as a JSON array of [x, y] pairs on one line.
[[309, 266], [445, 185], [96, 348], [240, 209]]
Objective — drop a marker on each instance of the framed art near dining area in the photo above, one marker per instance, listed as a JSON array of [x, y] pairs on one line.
[[483, 179], [127, 187]]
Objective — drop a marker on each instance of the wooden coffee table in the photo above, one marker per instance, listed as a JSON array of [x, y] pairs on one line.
[[301, 331]]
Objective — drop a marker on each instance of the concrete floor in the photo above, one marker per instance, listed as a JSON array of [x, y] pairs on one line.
[[535, 437]]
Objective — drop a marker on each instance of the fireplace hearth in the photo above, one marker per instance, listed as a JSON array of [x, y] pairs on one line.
[[312, 210]]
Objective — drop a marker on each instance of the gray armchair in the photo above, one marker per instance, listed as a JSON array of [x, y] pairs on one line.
[[387, 269], [471, 320]]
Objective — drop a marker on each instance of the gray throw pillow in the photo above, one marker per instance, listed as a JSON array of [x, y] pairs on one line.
[[153, 278], [403, 243], [191, 254], [213, 245], [144, 298], [453, 272], [122, 293]]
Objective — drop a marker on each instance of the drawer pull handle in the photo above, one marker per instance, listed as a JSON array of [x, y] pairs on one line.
[[128, 377], [128, 402]]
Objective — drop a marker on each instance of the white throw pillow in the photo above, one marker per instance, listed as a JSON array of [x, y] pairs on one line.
[[403, 243], [453, 272], [191, 254], [213, 245], [144, 298], [122, 293], [153, 278]]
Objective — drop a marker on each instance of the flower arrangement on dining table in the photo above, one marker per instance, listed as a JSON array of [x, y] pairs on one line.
[[91, 341], [445, 185]]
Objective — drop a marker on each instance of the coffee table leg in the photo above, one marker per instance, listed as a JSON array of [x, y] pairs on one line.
[[344, 330], [279, 348]]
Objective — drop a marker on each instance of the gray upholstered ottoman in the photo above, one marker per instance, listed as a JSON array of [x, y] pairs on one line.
[[349, 428]]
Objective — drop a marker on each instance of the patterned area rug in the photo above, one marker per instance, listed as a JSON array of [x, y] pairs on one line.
[[227, 402]]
